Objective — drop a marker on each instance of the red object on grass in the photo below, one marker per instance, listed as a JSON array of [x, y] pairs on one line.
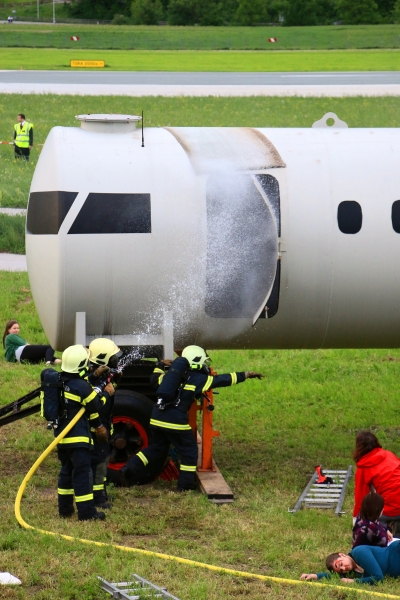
[[74, 38], [170, 472], [269, 39]]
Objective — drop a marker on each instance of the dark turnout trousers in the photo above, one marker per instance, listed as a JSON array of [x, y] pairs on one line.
[[75, 479], [170, 426], [99, 463]]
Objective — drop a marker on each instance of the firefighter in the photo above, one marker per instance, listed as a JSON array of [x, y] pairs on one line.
[[75, 449], [169, 423], [104, 356], [23, 137]]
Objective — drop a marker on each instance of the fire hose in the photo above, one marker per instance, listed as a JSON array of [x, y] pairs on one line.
[[184, 561]]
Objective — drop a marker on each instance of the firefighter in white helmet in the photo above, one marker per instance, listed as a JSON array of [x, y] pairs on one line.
[[188, 379], [75, 449]]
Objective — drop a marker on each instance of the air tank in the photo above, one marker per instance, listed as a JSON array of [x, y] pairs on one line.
[[245, 237]]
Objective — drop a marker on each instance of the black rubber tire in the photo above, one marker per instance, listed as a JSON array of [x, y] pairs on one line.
[[138, 407], [131, 404]]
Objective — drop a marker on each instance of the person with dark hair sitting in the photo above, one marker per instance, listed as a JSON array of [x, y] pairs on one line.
[[377, 470], [18, 350], [364, 564], [367, 530]]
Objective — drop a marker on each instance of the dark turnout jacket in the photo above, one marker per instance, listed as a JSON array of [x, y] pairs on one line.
[[197, 383], [79, 393]]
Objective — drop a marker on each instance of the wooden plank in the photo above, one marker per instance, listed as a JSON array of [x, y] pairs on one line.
[[213, 484]]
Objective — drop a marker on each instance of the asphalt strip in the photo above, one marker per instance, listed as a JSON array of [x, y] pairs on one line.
[[13, 262], [200, 90]]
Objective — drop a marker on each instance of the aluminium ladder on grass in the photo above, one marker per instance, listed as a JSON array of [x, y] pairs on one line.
[[331, 495], [135, 590]]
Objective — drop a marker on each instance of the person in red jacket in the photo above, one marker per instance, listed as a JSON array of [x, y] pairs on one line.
[[378, 469]]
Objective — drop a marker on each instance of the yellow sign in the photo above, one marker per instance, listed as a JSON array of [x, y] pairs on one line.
[[87, 63]]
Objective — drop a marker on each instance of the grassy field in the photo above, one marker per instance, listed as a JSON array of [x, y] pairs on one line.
[[273, 433], [12, 234], [194, 38], [129, 60]]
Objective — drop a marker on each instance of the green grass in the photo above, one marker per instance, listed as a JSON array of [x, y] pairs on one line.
[[129, 60], [47, 111], [273, 433], [193, 38], [16, 175], [12, 234]]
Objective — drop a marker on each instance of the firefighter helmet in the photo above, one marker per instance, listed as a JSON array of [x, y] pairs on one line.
[[196, 356], [74, 359], [103, 350]]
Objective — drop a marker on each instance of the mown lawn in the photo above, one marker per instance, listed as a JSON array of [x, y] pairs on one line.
[[273, 433], [204, 60], [190, 38]]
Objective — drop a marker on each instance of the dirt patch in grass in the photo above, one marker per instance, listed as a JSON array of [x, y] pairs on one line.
[[48, 493]]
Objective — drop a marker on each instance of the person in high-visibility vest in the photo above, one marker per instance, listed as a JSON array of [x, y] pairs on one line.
[[23, 138]]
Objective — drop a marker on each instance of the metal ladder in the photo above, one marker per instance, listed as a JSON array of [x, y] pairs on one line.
[[325, 495], [134, 590]]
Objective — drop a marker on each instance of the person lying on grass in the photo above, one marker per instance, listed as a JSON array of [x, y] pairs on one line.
[[18, 350], [364, 564]]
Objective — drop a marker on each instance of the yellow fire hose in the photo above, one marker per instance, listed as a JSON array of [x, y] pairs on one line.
[[184, 561]]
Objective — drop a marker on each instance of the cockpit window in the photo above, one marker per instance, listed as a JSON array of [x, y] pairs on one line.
[[114, 213], [349, 217], [47, 211]]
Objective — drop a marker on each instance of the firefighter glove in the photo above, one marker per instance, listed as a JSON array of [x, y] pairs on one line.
[[110, 389], [103, 370], [101, 434], [253, 375]]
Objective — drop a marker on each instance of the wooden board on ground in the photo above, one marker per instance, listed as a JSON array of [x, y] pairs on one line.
[[213, 484]]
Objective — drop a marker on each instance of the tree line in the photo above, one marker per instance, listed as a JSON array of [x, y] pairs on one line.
[[238, 12]]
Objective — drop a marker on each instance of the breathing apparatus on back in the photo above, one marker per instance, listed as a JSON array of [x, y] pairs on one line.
[[53, 402]]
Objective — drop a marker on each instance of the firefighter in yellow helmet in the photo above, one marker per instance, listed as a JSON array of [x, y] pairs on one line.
[[23, 138], [188, 379], [75, 449], [104, 357]]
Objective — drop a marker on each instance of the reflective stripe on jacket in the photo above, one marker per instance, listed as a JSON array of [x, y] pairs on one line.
[[79, 393]]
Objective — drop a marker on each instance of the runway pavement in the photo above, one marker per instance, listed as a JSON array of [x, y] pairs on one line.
[[154, 83]]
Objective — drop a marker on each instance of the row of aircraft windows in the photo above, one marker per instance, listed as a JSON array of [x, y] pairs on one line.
[[349, 216]]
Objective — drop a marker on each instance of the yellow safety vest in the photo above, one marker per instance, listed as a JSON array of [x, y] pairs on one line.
[[22, 134]]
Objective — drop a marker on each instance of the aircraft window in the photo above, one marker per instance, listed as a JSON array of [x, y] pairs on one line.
[[47, 211], [114, 213], [349, 216], [396, 216]]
